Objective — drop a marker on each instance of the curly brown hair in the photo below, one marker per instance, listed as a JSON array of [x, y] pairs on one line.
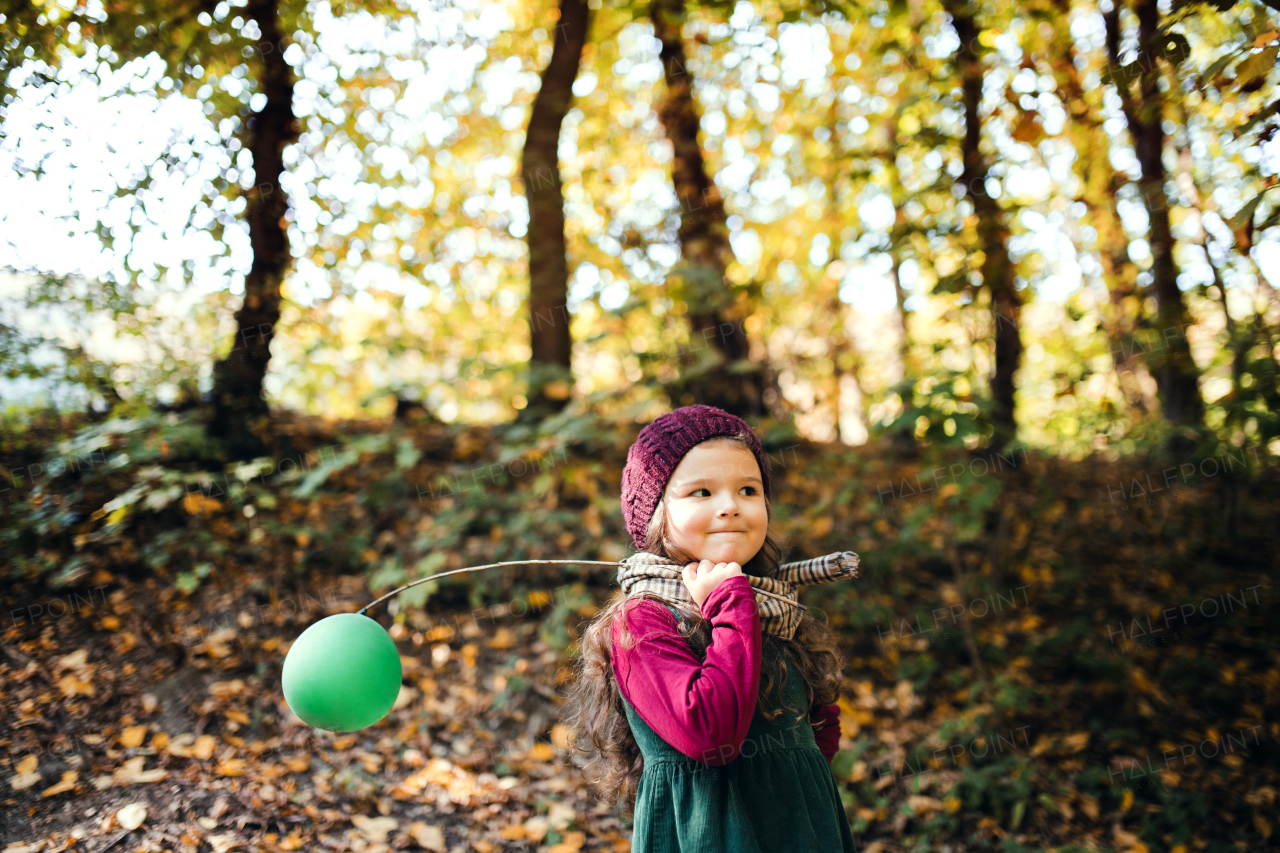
[[593, 710]]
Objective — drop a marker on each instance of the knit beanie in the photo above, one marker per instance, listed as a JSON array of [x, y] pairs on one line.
[[658, 451]]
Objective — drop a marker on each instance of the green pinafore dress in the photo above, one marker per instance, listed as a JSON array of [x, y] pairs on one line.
[[777, 796]]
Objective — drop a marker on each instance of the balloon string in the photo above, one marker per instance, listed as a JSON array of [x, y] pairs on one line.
[[362, 610]]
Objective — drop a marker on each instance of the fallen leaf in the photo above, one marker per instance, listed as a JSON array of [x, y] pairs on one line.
[[1076, 742], [427, 836], [236, 716], [223, 843], [28, 764], [560, 815], [180, 745], [226, 689], [71, 685], [68, 783], [572, 843], [204, 746], [23, 781], [923, 805], [132, 816], [33, 847], [541, 751], [78, 660], [131, 773], [535, 829], [233, 767], [375, 828], [503, 638], [514, 832], [407, 694], [133, 736]]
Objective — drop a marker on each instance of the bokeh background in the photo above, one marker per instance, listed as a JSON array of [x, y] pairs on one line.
[[303, 302]]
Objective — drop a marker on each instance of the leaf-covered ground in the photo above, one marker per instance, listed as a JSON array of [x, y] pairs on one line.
[[1041, 655]]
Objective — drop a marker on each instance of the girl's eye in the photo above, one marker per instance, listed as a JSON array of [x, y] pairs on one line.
[[708, 491]]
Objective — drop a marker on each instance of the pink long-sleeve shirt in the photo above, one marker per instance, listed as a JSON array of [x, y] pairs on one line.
[[702, 708]]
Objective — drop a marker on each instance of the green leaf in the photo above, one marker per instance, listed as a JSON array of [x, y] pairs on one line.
[[187, 583]]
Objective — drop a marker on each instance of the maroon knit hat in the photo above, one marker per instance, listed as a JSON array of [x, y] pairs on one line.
[[658, 450]]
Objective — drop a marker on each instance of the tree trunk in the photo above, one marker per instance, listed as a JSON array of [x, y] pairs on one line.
[[550, 376], [240, 416], [1170, 356], [993, 233], [725, 376]]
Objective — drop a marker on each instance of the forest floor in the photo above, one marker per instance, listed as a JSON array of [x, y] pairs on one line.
[[1031, 663]]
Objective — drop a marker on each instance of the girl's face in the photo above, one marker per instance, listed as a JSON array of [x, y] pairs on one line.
[[715, 504]]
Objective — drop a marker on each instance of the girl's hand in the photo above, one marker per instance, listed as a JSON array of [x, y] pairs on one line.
[[701, 578]]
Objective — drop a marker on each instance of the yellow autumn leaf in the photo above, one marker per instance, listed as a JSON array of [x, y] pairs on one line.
[[203, 747], [28, 764], [196, 504], [23, 781], [427, 836], [131, 773], [375, 828], [233, 767], [503, 638], [572, 843], [541, 752], [535, 829], [132, 736], [68, 783]]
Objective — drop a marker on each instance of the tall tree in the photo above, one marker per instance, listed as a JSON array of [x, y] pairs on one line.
[[1100, 184], [733, 381], [1174, 370], [991, 228], [196, 42], [240, 416], [549, 361]]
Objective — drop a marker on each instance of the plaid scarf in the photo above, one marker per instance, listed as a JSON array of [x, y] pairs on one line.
[[643, 572]]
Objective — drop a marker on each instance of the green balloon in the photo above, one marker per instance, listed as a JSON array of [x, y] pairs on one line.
[[343, 674]]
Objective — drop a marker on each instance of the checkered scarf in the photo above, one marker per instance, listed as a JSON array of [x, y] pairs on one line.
[[643, 572]]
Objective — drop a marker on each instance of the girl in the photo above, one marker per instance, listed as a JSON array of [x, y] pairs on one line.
[[699, 689]]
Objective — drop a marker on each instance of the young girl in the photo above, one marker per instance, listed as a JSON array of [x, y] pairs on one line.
[[703, 694]]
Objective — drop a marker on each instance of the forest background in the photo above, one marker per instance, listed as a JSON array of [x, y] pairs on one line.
[[306, 297]]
